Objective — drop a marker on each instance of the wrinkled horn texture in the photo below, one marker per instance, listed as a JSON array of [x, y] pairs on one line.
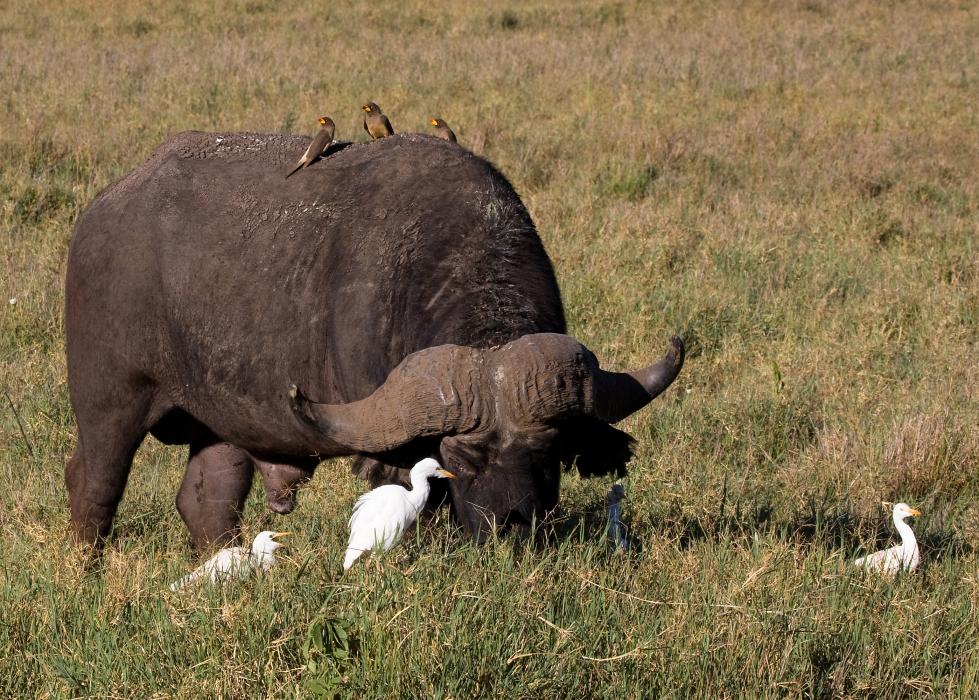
[[535, 380], [541, 377], [429, 393]]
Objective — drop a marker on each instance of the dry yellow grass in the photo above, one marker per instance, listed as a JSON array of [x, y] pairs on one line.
[[792, 186]]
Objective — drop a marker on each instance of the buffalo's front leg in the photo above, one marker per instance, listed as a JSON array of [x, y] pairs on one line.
[[282, 481], [377, 473], [213, 493]]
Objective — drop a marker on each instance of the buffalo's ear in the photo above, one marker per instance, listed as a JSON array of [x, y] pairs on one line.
[[595, 447]]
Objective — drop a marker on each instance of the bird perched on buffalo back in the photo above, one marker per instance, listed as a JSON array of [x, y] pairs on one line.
[[319, 144], [442, 129], [375, 123]]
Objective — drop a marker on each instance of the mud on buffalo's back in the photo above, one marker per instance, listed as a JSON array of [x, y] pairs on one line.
[[398, 202], [416, 161], [238, 179]]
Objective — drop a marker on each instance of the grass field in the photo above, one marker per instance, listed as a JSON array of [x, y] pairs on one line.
[[790, 186]]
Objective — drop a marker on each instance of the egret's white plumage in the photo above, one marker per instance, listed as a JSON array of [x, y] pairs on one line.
[[233, 563], [902, 557], [381, 516]]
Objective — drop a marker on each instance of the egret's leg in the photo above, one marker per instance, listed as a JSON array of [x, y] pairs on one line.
[[212, 495]]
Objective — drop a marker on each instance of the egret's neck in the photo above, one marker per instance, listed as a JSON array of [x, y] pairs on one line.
[[419, 490], [262, 554], [908, 541], [262, 558]]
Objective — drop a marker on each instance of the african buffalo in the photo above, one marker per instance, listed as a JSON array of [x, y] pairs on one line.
[[399, 285]]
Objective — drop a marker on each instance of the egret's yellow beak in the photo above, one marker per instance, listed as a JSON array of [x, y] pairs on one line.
[[280, 534], [914, 511], [447, 475]]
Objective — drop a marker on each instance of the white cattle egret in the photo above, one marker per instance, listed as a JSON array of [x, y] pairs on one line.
[[233, 563], [902, 557], [381, 516]]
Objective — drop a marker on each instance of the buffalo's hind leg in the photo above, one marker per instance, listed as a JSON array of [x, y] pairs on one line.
[[111, 426], [212, 495]]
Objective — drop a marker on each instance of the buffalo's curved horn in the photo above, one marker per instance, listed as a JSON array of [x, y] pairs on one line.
[[619, 394], [429, 393]]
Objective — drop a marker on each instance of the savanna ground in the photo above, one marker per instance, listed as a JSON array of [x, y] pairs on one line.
[[790, 186]]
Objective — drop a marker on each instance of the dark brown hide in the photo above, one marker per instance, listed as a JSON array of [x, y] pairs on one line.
[[203, 284]]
